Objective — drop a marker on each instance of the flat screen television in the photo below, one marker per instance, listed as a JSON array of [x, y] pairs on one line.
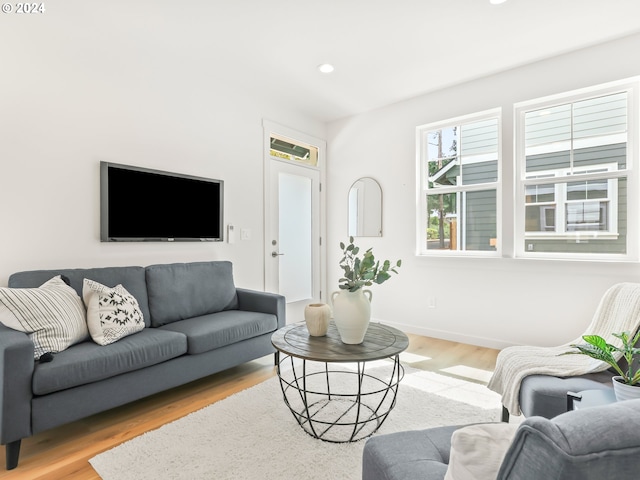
[[144, 205]]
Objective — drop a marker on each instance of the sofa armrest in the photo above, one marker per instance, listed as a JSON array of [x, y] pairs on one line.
[[16, 370], [264, 302]]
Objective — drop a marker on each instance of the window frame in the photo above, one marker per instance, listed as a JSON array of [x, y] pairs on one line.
[[422, 184], [630, 173]]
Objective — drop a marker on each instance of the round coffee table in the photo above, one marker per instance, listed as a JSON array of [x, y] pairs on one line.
[[325, 385]]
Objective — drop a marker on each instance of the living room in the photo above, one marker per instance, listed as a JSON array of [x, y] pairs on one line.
[[154, 86]]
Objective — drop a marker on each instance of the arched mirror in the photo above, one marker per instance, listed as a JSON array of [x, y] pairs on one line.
[[365, 208]]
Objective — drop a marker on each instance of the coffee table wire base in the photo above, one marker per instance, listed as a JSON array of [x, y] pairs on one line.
[[339, 405]]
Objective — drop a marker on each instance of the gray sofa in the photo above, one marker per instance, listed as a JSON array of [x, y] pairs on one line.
[[196, 323], [586, 444]]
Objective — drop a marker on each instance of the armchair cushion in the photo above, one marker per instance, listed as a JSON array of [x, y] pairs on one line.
[[546, 396], [408, 455]]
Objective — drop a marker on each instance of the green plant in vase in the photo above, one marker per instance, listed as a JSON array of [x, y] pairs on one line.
[[351, 308], [597, 347], [363, 271]]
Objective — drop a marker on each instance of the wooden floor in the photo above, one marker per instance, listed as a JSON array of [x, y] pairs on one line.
[[64, 452]]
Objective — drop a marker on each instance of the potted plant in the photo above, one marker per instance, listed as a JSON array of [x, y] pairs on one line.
[[351, 307], [626, 384]]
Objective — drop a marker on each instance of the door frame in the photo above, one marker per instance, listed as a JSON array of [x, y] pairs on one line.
[[270, 128]]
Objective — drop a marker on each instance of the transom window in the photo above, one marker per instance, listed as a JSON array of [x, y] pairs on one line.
[[573, 173], [292, 150], [459, 171]]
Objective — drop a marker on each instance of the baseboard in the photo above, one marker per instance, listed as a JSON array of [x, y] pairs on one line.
[[446, 335]]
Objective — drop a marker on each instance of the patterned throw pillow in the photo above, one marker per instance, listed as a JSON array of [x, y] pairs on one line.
[[52, 315], [112, 313]]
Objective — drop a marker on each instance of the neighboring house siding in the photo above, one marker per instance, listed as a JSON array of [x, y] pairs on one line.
[[582, 158], [480, 220], [585, 157], [480, 172], [589, 245]]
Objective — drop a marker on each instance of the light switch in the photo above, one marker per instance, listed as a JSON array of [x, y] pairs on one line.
[[231, 234]]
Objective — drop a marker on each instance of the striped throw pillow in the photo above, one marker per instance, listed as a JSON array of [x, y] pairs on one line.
[[53, 315]]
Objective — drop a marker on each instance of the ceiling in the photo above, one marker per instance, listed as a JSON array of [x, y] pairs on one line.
[[384, 51]]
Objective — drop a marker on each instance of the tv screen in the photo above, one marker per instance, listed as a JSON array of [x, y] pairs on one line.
[[140, 204]]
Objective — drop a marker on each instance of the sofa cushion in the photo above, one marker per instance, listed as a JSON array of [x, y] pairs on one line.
[[131, 278], [216, 330], [88, 362], [112, 313], [185, 290], [52, 315]]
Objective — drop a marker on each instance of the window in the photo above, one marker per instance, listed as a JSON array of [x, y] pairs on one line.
[[458, 193], [583, 206], [292, 150], [573, 171]]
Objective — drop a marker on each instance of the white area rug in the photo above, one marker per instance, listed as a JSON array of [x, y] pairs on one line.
[[253, 435]]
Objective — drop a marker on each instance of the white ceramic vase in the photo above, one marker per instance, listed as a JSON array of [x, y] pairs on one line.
[[624, 391], [317, 317], [351, 314]]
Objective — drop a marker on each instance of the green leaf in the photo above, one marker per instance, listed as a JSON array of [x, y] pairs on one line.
[[597, 341], [382, 277], [363, 270]]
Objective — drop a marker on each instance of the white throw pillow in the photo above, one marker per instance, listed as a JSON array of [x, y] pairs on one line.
[[112, 313], [477, 451], [52, 315]]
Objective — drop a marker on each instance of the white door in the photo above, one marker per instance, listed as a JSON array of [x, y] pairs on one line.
[[293, 234]]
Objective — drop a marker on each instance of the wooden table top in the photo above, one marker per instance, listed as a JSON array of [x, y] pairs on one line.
[[380, 341]]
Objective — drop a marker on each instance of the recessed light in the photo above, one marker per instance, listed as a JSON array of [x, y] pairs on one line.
[[496, 2], [326, 68]]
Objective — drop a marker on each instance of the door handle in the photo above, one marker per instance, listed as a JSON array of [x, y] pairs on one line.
[[274, 254]]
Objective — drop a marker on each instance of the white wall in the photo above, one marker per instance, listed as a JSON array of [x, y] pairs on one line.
[[73, 92], [490, 302]]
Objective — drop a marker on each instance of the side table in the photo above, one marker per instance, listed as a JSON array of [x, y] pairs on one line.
[[590, 398]]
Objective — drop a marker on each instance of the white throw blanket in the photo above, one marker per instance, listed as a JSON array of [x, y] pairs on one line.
[[619, 311]]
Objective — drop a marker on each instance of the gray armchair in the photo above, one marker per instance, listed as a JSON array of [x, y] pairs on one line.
[[534, 380], [587, 444]]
